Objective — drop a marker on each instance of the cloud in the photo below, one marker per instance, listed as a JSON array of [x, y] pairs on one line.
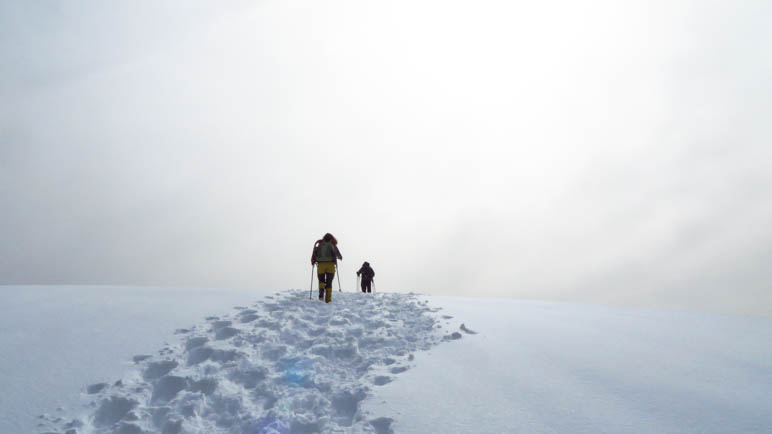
[[604, 153]]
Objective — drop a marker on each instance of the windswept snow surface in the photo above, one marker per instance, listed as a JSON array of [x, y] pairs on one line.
[[371, 363], [537, 367], [56, 339], [284, 364]]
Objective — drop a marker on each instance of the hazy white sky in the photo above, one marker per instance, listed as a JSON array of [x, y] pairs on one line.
[[598, 151]]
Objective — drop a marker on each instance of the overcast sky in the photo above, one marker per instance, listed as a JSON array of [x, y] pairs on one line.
[[602, 151]]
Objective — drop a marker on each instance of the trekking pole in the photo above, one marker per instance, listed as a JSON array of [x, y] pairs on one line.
[[373, 285], [338, 273], [357, 287], [311, 288]]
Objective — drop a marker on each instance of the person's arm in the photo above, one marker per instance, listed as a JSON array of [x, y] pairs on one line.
[[337, 253], [313, 253], [360, 271]]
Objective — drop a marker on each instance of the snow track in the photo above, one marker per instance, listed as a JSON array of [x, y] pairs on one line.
[[284, 365]]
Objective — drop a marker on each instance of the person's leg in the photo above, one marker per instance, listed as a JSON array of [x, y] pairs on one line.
[[363, 284], [323, 269], [329, 277], [322, 284], [369, 286]]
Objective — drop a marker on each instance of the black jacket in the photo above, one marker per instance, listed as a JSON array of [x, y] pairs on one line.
[[366, 272]]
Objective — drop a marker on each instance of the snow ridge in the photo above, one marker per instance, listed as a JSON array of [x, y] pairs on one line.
[[284, 365]]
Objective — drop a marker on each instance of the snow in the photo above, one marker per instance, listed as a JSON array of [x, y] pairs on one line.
[[56, 340], [124, 360], [565, 368]]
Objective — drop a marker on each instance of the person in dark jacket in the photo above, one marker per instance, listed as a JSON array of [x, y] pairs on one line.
[[367, 274], [325, 256]]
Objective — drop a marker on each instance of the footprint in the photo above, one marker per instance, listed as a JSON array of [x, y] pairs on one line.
[[167, 388], [195, 342], [112, 410], [141, 357], [198, 355], [224, 356], [346, 405], [216, 325], [249, 378], [452, 337], [248, 318], [158, 369], [206, 386], [381, 380], [225, 333], [95, 388], [399, 369], [382, 425]]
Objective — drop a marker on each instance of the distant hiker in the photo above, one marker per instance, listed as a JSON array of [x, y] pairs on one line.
[[325, 256], [367, 274]]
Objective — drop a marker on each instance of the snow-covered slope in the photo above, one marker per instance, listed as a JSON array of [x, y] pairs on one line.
[[285, 364], [536, 367], [390, 362], [54, 340]]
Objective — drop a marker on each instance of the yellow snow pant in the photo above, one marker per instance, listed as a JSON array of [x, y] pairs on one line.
[[326, 273]]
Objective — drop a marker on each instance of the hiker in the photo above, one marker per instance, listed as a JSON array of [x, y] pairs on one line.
[[367, 274], [325, 256]]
